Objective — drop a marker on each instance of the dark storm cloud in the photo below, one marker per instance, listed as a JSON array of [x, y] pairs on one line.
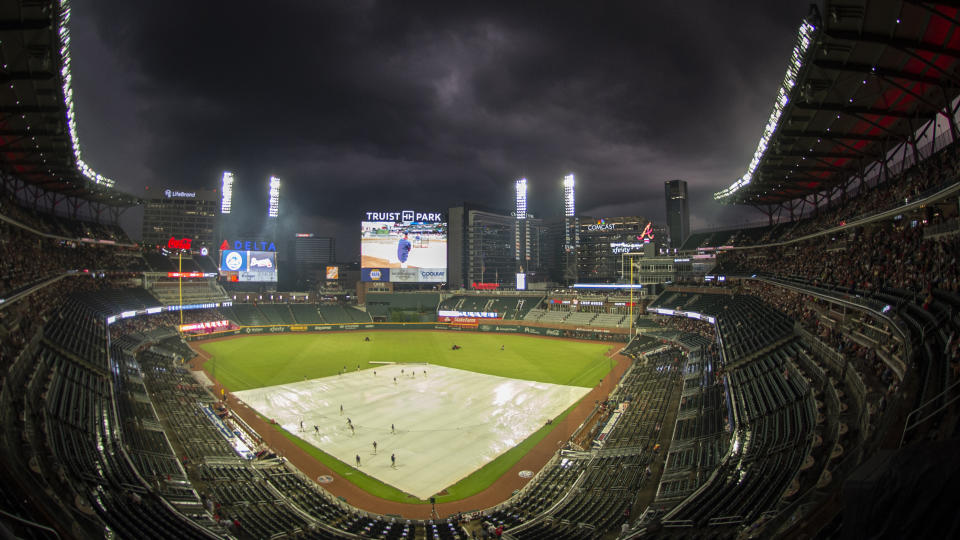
[[360, 105]]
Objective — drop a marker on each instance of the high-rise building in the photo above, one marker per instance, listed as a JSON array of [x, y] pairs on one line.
[[481, 247], [489, 246], [311, 255], [607, 243], [181, 214], [678, 211]]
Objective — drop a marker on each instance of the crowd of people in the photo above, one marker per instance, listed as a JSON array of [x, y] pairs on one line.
[[27, 259], [807, 311], [684, 324], [892, 254], [22, 320], [11, 209], [147, 323], [921, 180], [918, 181]]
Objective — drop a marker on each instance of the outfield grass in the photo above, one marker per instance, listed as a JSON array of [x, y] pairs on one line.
[[267, 360]]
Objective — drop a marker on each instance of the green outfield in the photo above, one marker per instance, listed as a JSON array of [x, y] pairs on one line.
[[265, 360], [269, 359]]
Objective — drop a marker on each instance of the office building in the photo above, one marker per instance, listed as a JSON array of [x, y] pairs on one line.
[[678, 211], [181, 214]]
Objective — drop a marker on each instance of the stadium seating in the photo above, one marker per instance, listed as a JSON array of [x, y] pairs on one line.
[[246, 314], [105, 431], [191, 291], [699, 438], [305, 314], [277, 313], [554, 316], [580, 318], [511, 307], [416, 301], [608, 320]]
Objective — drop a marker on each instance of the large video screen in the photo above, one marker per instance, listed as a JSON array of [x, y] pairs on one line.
[[243, 266], [404, 247]]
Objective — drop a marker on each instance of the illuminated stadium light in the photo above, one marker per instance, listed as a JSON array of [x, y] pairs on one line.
[[273, 209], [522, 198], [568, 201], [226, 191], [804, 40], [66, 78]]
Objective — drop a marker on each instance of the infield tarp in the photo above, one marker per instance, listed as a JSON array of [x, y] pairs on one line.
[[449, 422]]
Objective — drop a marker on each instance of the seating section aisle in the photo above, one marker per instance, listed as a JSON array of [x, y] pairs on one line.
[[341, 314], [277, 313], [605, 483], [306, 314], [88, 444], [699, 439], [774, 418], [746, 324]]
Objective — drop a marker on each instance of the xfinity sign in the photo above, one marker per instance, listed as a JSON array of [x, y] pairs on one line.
[[405, 215]]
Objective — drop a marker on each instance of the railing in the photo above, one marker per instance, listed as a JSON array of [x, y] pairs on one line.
[[929, 409], [29, 523], [28, 289], [865, 219], [947, 227], [26, 227], [899, 366], [542, 516]]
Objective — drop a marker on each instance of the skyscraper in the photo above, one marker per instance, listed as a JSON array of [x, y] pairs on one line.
[[678, 211], [311, 255], [181, 214]]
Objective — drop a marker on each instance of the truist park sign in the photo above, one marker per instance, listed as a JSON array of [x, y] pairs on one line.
[[405, 215]]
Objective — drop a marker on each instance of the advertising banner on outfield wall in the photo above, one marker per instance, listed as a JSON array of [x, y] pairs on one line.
[[200, 337], [510, 328], [464, 321], [481, 325]]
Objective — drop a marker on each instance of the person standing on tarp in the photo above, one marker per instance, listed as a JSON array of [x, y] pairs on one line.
[[403, 250]]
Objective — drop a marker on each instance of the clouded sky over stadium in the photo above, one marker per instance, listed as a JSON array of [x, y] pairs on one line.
[[366, 105]]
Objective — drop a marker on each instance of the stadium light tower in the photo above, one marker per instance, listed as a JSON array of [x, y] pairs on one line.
[[226, 192], [521, 234], [273, 208], [521, 198], [568, 200], [571, 230]]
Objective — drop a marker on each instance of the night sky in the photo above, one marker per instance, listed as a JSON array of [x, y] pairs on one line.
[[364, 105]]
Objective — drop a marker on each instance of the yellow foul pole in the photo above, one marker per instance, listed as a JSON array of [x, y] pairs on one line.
[[180, 282]]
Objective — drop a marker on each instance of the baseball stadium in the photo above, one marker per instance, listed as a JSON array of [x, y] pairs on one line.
[[795, 378]]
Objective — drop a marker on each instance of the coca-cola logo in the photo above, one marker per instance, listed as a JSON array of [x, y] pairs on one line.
[[182, 243]]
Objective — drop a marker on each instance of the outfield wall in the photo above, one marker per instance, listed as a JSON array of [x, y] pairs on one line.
[[600, 334]]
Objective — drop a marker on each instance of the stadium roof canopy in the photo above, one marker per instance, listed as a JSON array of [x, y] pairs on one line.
[[863, 79], [38, 132]]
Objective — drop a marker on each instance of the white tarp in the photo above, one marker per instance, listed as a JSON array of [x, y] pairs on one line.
[[449, 422]]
